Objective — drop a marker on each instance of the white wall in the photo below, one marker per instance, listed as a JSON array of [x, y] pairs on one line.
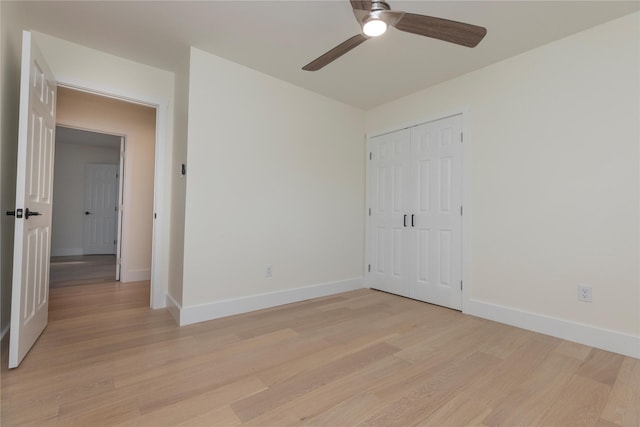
[[276, 176], [71, 160], [553, 177]]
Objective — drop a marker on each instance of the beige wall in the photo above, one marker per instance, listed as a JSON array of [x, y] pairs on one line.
[[137, 123], [71, 160], [275, 176], [553, 176]]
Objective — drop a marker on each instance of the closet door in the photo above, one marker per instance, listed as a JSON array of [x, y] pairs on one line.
[[389, 201], [436, 239]]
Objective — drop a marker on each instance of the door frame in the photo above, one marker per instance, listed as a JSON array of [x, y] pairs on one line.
[[158, 273], [467, 209], [120, 201]]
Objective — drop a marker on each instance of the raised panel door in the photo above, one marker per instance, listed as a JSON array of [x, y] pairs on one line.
[[34, 181], [436, 160], [390, 199]]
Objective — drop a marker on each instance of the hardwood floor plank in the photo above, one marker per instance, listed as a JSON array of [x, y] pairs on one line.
[[623, 406], [98, 410], [573, 349], [28, 412], [601, 366], [579, 404], [224, 355], [223, 416], [425, 393], [476, 401], [605, 423], [526, 403], [201, 407], [279, 394], [349, 412], [324, 399]]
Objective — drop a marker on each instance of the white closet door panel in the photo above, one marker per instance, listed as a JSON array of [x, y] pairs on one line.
[[436, 157], [389, 237]]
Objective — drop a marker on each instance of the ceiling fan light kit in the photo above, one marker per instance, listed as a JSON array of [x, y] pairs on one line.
[[376, 16], [374, 27]]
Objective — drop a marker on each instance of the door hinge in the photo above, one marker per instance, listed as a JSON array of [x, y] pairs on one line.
[[116, 208], [460, 284], [370, 155], [460, 210], [155, 215], [369, 211], [369, 268], [115, 242], [461, 137]]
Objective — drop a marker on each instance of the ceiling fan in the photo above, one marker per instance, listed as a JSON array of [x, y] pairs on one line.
[[375, 16]]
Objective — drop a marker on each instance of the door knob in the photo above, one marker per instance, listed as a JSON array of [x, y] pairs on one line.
[[87, 213], [28, 213], [11, 213]]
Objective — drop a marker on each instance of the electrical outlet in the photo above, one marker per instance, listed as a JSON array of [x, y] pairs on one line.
[[268, 270], [584, 293]]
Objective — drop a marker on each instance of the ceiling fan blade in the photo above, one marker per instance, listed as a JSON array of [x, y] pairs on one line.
[[442, 29], [361, 4], [335, 53]]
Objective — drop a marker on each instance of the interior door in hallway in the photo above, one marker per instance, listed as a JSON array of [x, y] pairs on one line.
[[101, 202]]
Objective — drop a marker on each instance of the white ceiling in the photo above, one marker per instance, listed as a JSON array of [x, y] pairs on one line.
[[279, 37]]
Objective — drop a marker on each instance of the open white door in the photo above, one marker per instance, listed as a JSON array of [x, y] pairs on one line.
[[36, 136]]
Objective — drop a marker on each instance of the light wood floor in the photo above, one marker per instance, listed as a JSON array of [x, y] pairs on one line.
[[81, 270], [360, 358]]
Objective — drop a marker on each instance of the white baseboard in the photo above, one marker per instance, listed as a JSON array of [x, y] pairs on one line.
[[4, 331], [135, 275], [174, 308], [66, 251], [605, 339], [229, 307]]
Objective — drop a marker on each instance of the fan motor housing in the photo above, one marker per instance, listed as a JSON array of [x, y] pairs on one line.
[[379, 5]]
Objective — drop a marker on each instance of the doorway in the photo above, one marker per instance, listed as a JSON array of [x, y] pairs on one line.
[[111, 202], [87, 188]]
